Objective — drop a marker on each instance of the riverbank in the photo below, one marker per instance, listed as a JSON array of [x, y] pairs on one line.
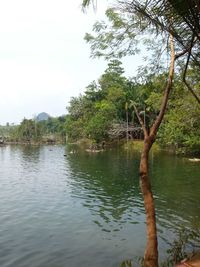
[[42, 141], [136, 145], [94, 147]]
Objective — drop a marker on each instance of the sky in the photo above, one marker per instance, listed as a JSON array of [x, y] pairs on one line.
[[44, 60]]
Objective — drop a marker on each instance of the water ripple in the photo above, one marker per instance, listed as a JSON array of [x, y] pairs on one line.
[[86, 209]]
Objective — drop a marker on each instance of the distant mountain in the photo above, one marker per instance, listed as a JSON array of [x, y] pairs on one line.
[[43, 116]]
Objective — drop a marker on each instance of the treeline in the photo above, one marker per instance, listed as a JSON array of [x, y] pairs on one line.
[[107, 112], [108, 106], [33, 131]]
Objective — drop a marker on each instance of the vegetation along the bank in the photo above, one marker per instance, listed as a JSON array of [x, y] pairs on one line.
[[105, 113], [33, 131], [106, 110]]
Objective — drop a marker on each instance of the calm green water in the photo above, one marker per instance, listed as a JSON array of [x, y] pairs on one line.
[[86, 209]]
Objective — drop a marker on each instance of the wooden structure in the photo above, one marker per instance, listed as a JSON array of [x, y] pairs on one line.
[[121, 130], [1, 140]]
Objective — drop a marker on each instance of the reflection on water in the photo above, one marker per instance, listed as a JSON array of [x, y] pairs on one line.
[[86, 209], [108, 189]]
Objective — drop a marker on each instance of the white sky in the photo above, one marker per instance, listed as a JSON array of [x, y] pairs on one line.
[[44, 60]]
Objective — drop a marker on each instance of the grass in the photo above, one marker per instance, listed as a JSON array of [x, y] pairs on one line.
[[137, 145]]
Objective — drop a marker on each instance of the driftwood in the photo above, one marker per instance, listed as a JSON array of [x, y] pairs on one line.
[[120, 130], [49, 139]]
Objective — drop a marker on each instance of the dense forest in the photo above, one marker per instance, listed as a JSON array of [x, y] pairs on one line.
[[106, 110], [105, 113], [32, 131]]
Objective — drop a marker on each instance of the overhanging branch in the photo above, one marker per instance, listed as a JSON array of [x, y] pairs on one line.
[[185, 73], [168, 87]]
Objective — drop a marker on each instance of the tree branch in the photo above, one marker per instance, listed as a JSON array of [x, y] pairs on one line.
[[182, 53], [168, 87], [187, 49], [185, 73], [140, 121]]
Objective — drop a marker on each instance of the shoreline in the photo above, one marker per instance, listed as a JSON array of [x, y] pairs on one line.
[[91, 146]]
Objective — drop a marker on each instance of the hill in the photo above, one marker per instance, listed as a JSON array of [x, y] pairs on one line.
[[43, 116]]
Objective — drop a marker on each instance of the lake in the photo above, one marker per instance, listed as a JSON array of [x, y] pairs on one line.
[[61, 206]]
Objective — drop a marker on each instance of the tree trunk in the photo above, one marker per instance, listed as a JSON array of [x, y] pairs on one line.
[[127, 127], [151, 252]]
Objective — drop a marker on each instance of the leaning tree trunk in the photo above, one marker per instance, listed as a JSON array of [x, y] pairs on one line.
[[151, 251]]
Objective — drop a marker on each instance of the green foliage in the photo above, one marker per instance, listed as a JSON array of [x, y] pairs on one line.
[[110, 101], [92, 114], [99, 124], [30, 130], [54, 126], [126, 263], [133, 23], [6, 131], [183, 247], [181, 125], [115, 38], [74, 128], [130, 23]]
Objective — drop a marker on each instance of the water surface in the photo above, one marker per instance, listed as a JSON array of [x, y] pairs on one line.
[[86, 209]]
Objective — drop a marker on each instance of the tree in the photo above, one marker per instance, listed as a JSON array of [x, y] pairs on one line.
[[180, 128], [92, 114], [99, 124], [184, 26], [161, 19], [28, 130], [151, 253]]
